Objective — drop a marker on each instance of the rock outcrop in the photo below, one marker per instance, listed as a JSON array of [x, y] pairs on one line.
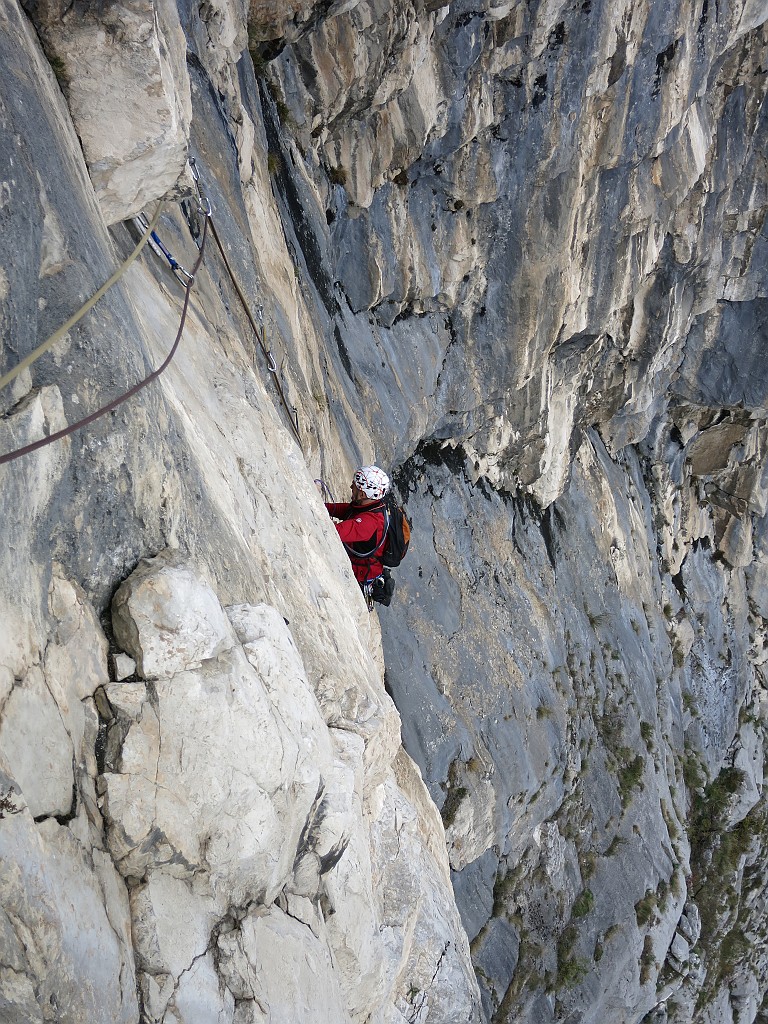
[[516, 253]]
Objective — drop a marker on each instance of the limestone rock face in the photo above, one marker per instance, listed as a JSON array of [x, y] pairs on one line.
[[168, 621], [124, 72], [479, 147], [516, 253], [240, 819]]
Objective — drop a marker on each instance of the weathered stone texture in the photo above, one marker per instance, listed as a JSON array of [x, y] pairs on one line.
[[516, 253], [124, 73]]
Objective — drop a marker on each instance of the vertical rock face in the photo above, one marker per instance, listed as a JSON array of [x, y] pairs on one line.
[[123, 70], [516, 253]]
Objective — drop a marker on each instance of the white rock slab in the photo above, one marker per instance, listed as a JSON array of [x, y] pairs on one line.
[[280, 964], [353, 927], [220, 771], [168, 619], [129, 94], [200, 998], [37, 747], [423, 941], [75, 960]]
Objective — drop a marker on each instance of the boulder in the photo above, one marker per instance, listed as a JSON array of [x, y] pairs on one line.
[[168, 620]]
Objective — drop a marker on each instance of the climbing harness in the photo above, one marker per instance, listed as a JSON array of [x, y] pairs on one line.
[[59, 334], [362, 556], [372, 587]]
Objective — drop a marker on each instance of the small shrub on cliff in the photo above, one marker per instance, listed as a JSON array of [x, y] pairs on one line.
[[337, 176], [587, 864], [451, 806], [583, 903], [733, 948], [647, 960], [708, 810], [59, 69], [645, 907], [570, 969], [503, 888], [630, 777], [614, 845]]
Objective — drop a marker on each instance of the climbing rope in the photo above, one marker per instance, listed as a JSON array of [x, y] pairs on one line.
[[187, 278], [57, 335], [325, 491], [66, 431], [259, 333]]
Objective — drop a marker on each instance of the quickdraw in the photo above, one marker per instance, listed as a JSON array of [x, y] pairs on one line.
[[156, 245]]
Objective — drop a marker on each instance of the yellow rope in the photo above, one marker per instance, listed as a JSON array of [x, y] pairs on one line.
[[57, 335]]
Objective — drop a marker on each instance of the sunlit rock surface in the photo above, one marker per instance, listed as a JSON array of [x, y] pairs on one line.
[[515, 253]]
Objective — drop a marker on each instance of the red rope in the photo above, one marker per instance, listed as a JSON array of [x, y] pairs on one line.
[[43, 441]]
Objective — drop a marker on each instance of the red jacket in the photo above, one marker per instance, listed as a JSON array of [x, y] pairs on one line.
[[362, 530]]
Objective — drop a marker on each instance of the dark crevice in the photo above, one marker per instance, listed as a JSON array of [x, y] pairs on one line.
[[314, 258], [551, 521], [343, 353], [539, 91], [663, 60], [68, 816], [329, 861]]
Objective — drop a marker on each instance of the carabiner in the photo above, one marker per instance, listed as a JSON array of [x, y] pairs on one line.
[[202, 200], [183, 276], [271, 364]]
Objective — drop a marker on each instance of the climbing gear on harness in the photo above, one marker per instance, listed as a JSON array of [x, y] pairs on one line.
[[379, 591], [362, 556], [59, 334], [372, 481], [383, 589], [156, 245]]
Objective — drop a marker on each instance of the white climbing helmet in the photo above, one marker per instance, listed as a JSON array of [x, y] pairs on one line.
[[372, 481]]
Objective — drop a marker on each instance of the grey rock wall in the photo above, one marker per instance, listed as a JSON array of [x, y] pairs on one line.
[[515, 253]]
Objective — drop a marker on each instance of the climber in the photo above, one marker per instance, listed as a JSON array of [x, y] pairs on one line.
[[362, 527]]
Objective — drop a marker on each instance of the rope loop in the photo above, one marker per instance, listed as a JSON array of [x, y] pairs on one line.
[[76, 317], [104, 409]]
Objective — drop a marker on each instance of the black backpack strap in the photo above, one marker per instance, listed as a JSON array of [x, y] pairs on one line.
[[363, 555]]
